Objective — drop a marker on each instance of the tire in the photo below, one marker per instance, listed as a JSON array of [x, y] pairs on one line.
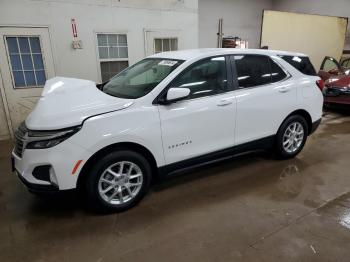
[[289, 144], [112, 174]]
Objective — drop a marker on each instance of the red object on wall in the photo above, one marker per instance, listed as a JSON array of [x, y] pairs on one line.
[[74, 28]]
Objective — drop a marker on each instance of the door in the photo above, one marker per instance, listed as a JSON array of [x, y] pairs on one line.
[[158, 41], [27, 63], [264, 97], [205, 121]]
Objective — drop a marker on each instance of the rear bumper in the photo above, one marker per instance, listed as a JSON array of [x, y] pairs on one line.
[[315, 125], [336, 95]]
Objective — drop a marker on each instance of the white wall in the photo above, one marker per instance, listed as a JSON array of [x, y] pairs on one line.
[[241, 18], [110, 16], [321, 7], [130, 16]]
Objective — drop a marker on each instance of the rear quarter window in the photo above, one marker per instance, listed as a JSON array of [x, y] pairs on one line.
[[301, 63]]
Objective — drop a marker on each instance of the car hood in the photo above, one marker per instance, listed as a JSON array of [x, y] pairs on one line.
[[68, 102]]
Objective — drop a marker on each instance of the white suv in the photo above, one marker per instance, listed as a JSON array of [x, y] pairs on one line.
[[166, 113]]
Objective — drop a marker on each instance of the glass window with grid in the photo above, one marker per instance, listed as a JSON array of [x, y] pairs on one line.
[[165, 44], [26, 60], [113, 54]]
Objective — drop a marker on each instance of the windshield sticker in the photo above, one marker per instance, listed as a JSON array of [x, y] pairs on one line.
[[167, 62]]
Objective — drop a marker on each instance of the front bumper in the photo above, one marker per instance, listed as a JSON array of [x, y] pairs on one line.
[[59, 160]]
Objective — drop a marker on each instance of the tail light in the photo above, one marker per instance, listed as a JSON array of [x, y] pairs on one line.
[[320, 84]]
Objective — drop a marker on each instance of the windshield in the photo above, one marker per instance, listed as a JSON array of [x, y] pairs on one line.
[[140, 79]]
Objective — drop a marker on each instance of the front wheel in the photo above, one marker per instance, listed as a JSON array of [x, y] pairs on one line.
[[291, 137], [118, 181]]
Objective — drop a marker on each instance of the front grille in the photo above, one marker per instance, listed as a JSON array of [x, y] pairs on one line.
[[20, 135]]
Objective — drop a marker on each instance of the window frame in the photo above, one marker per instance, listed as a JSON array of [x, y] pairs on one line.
[[99, 60], [235, 76], [20, 53], [162, 41], [160, 97]]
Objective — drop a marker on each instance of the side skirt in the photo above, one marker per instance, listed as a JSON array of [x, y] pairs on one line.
[[193, 163]]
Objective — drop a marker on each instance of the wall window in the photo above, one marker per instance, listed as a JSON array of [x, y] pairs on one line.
[[113, 54], [26, 59], [165, 44], [207, 77]]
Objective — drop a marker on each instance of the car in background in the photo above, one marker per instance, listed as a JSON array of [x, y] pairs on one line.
[[336, 77]]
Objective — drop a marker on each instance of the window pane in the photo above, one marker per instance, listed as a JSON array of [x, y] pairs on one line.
[[157, 45], [113, 52], [205, 78], [122, 40], [102, 40], [23, 44], [103, 51], [27, 62], [112, 40], [15, 62], [38, 62], [252, 70], [139, 79], [35, 44], [330, 65], [166, 45], [12, 44], [40, 77], [174, 44], [301, 63], [30, 78], [123, 52], [277, 74], [19, 78]]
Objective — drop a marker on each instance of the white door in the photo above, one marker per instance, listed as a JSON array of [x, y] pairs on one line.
[[264, 98], [25, 65], [158, 41], [205, 121]]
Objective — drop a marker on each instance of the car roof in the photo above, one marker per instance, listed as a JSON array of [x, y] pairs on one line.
[[191, 54]]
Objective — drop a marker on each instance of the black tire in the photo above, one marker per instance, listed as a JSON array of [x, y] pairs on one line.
[[279, 148], [92, 182]]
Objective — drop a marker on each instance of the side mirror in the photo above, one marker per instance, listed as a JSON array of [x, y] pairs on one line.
[[176, 93]]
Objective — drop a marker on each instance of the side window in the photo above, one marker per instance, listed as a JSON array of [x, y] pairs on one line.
[[277, 74], [252, 70], [204, 78], [329, 65]]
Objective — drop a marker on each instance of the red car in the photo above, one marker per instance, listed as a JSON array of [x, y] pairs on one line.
[[336, 77]]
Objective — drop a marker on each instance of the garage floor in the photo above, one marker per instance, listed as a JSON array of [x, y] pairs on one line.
[[252, 209]]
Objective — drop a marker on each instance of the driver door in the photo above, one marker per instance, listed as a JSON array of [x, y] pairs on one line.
[[329, 67], [205, 121]]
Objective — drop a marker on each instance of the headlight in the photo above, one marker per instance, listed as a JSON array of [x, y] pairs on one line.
[[46, 139]]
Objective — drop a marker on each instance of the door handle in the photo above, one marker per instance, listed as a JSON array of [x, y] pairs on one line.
[[225, 102], [284, 89]]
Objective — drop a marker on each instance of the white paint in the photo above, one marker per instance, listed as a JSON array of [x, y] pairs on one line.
[[201, 125]]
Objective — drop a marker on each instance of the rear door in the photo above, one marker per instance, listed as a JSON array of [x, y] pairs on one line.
[[265, 96]]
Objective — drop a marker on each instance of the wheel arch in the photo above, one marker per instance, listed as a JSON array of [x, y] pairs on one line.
[[114, 147], [305, 115]]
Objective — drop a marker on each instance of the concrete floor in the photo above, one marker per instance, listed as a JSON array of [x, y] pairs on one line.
[[253, 208]]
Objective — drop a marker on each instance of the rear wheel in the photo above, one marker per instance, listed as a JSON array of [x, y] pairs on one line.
[[118, 181], [291, 137]]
